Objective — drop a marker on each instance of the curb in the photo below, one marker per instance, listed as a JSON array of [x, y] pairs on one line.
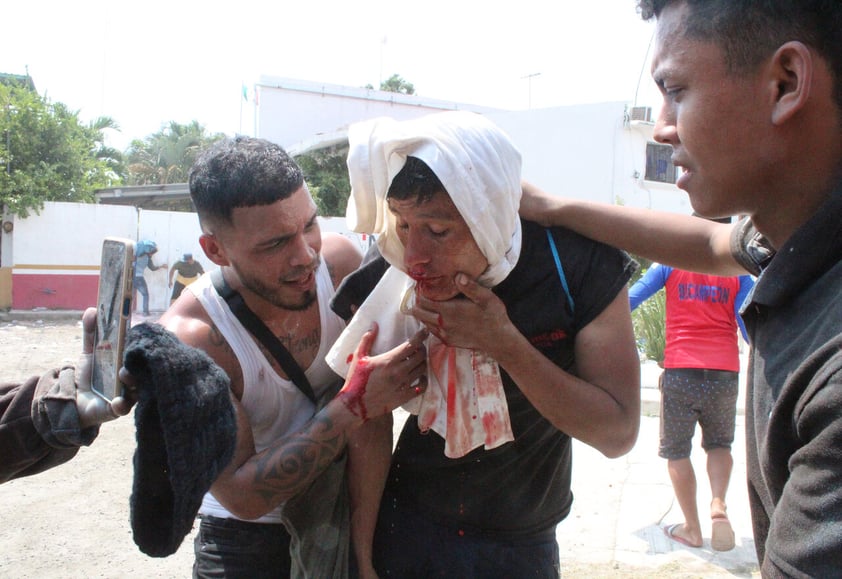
[[650, 401], [42, 315]]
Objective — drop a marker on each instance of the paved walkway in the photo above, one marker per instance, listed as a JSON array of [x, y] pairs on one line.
[[621, 505]]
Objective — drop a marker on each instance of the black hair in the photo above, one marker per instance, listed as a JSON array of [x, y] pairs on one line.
[[749, 31], [415, 180], [241, 172]]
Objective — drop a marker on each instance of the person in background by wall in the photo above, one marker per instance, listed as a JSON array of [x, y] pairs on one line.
[[188, 270], [144, 250], [45, 420], [699, 384]]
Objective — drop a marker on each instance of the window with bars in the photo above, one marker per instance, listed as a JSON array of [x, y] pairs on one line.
[[659, 167]]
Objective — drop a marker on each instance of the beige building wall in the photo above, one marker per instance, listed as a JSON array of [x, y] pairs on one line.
[[5, 288]]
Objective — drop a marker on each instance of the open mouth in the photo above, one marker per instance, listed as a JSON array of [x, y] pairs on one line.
[[426, 284], [301, 281]]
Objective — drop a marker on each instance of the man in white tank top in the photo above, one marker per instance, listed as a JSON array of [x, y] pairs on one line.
[[259, 226]]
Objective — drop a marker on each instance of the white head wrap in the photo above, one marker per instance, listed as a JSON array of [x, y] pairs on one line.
[[475, 161]]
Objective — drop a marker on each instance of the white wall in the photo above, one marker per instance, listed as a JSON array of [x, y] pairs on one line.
[[66, 234], [51, 259], [589, 152], [293, 111], [175, 233], [567, 151]]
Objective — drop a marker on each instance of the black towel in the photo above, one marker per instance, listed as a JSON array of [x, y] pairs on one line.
[[186, 434]]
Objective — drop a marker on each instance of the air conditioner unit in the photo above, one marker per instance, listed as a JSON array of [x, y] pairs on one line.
[[641, 114]]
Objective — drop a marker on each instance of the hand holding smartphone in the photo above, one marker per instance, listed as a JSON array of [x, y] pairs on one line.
[[114, 303]]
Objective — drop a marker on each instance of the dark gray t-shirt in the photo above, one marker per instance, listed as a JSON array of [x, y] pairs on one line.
[[794, 408]]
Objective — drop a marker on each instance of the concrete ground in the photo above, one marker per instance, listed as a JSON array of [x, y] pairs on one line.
[[621, 506], [73, 521]]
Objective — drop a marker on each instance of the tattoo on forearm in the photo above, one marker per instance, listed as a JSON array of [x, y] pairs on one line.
[[298, 460]]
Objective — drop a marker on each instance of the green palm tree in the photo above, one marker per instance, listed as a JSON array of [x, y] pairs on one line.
[[166, 156], [110, 156]]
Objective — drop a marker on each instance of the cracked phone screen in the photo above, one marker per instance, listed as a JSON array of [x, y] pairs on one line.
[[113, 308]]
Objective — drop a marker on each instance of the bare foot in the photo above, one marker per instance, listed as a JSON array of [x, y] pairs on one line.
[[679, 534], [722, 534]]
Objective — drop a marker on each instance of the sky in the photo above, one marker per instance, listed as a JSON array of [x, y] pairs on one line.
[[147, 63]]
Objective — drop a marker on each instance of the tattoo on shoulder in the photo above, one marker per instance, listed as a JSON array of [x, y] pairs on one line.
[[215, 336], [216, 339], [331, 269]]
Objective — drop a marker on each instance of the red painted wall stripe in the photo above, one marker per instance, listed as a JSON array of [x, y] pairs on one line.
[[53, 291]]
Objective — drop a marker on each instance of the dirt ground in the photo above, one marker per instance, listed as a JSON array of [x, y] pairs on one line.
[[73, 521]]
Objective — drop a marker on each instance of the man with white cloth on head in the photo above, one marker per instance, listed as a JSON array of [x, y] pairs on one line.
[[531, 344]]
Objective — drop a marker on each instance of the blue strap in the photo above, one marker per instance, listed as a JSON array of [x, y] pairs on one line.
[[560, 270]]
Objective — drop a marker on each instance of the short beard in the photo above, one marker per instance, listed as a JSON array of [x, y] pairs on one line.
[[271, 295]]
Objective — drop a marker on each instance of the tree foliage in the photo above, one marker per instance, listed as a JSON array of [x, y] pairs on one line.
[[47, 154], [167, 156], [649, 326], [396, 83], [326, 174], [649, 319]]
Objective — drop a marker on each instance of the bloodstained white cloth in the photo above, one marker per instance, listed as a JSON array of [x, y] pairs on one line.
[[464, 401], [480, 167]]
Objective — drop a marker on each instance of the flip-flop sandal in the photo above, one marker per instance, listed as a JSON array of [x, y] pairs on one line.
[[722, 534], [669, 531]]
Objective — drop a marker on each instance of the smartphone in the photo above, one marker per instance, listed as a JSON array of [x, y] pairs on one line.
[[114, 304]]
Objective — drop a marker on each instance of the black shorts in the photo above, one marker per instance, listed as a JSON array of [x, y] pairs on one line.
[[691, 395]]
